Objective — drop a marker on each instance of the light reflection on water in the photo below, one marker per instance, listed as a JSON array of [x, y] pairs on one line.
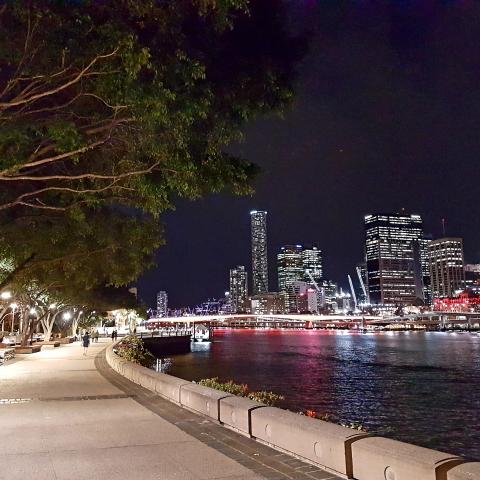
[[420, 387]]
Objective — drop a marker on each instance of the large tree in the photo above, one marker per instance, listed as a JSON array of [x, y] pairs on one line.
[[111, 110]]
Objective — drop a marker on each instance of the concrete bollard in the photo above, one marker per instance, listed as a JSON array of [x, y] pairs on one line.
[[202, 399], [465, 471], [236, 412], [377, 458], [322, 443], [169, 387]]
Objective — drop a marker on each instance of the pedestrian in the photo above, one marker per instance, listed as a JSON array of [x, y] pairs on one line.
[[115, 334], [86, 343], [95, 336]]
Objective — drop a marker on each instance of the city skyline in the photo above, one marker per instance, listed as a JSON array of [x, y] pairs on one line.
[[392, 132], [224, 278]]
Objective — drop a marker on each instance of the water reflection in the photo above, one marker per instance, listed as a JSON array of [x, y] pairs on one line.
[[417, 387]]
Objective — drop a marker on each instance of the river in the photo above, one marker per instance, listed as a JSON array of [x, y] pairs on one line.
[[419, 387]]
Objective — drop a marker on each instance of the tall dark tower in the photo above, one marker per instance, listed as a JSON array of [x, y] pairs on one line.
[[258, 221]]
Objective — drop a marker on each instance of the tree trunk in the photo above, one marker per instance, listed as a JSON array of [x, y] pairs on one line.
[[75, 322], [47, 324], [24, 327], [3, 315]]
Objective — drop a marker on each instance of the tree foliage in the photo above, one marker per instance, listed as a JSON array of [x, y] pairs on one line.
[[112, 110]]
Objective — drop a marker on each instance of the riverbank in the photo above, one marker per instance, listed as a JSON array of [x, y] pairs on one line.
[[418, 387], [336, 449]]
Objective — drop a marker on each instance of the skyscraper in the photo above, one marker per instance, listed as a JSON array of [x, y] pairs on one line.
[[162, 303], [472, 275], [312, 264], [298, 265], [258, 221], [289, 266], [238, 288], [427, 283], [446, 266], [393, 251]]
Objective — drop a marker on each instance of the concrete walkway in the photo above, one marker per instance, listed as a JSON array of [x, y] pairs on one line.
[[66, 416]]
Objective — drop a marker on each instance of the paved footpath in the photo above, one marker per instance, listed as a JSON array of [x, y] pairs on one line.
[[64, 416]]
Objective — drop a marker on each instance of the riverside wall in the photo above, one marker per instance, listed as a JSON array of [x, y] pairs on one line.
[[346, 452]]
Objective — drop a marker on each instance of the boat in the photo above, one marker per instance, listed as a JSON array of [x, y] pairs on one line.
[[201, 334]]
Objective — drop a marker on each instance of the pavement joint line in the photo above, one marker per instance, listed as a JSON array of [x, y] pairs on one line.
[[110, 447], [118, 396], [11, 401], [215, 435]]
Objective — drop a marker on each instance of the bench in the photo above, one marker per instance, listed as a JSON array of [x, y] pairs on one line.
[[6, 353]]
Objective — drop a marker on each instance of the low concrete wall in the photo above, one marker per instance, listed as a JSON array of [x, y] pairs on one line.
[[320, 442], [378, 458], [202, 399], [236, 412], [466, 471], [170, 387], [342, 450]]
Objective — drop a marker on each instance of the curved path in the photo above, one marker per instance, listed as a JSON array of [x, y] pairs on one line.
[[67, 416]]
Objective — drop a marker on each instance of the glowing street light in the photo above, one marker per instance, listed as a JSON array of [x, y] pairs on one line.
[[67, 316], [33, 311], [5, 295]]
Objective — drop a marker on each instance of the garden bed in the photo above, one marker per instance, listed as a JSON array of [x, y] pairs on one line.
[[28, 349], [65, 340]]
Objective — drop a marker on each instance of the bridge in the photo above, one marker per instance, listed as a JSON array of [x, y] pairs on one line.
[[419, 320]]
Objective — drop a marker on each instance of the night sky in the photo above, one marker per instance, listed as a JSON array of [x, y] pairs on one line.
[[386, 116]]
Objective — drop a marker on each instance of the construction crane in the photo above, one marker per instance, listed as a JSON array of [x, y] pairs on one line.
[[360, 279], [317, 288], [353, 291]]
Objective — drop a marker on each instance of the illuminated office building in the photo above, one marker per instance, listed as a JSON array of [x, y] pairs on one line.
[[238, 288], [162, 304], [289, 266], [290, 270], [446, 266], [425, 265], [312, 264], [393, 252], [267, 303], [258, 222], [472, 275]]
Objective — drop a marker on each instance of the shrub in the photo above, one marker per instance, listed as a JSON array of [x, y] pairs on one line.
[[241, 390], [268, 398], [131, 348], [326, 417]]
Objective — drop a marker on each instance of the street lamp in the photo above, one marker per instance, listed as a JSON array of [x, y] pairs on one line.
[[5, 295], [67, 316]]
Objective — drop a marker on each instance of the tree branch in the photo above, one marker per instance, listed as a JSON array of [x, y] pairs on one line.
[[32, 98]]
